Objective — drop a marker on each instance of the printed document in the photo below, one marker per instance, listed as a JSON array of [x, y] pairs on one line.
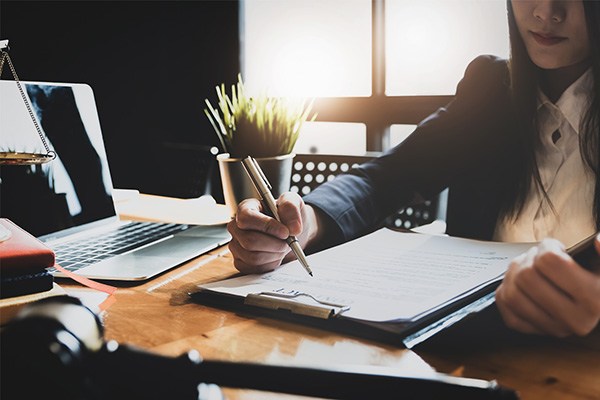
[[385, 276]]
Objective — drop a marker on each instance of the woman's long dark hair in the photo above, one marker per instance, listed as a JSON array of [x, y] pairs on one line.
[[524, 81]]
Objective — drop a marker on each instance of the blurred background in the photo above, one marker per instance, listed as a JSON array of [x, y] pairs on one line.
[[375, 67]]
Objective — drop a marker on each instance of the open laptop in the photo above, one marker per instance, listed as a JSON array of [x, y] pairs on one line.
[[67, 203]]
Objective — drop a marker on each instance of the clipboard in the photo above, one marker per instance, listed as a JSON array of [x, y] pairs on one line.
[[585, 253], [291, 296], [288, 302], [329, 316]]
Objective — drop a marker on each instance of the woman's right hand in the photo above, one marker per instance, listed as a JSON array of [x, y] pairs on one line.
[[258, 240]]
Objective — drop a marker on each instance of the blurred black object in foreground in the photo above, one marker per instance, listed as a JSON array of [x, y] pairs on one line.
[[55, 349]]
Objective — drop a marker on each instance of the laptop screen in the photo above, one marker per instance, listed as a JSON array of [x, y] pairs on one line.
[[73, 189]]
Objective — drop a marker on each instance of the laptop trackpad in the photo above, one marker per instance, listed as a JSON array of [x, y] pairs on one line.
[[149, 261]]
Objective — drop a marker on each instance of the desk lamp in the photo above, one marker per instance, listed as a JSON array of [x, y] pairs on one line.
[[14, 157]]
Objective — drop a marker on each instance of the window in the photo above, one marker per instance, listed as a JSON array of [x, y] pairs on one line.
[[377, 66], [332, 138], [430, 42], [307, 48]]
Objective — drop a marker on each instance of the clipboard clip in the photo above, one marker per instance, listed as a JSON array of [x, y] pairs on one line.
[[313, 307]]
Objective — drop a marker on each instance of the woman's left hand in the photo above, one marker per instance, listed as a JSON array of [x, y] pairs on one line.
[[546, 292]]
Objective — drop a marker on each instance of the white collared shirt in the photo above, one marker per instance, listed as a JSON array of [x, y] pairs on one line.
[[568, 182]]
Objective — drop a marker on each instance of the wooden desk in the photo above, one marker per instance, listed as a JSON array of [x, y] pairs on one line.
[[158, 315]]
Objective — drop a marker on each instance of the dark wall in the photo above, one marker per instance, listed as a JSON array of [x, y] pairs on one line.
[[151, 64]]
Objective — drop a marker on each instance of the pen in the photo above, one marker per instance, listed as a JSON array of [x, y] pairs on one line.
[[263, 187]]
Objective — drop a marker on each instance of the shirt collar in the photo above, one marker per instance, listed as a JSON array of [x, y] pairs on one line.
[[574, 101]]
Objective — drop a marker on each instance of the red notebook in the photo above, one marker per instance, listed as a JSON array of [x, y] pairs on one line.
[[21, 252]]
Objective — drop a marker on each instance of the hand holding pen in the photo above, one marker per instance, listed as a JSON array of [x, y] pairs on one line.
[[264, 189]]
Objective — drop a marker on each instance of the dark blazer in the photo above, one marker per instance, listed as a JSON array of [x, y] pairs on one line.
[[470, 146]]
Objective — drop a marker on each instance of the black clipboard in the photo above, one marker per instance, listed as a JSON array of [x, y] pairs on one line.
[[407, 334], [585, 253], [330, 317]]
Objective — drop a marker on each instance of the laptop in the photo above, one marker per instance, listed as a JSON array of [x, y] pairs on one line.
[[68, 202]]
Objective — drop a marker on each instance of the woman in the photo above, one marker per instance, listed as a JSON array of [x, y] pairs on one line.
[[518, 148]]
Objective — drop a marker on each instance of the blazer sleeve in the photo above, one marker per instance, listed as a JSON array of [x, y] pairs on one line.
[[463, 136]]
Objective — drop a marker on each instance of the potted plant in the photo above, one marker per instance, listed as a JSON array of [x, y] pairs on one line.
[[263, 127]]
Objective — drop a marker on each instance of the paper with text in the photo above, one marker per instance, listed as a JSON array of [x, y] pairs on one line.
[[386, 275]]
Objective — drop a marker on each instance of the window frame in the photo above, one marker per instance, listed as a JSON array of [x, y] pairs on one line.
[[378, 111]]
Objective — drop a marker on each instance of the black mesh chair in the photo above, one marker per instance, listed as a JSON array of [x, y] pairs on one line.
[[311, 170]]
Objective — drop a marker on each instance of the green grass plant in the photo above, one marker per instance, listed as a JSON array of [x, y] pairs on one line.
[[260, 126]]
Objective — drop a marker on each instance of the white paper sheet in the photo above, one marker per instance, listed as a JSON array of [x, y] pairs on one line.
[[145, 207], [387, 275]]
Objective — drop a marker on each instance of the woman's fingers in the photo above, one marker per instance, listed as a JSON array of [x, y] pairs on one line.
[[254, 240], [523, 309], [250, 216], [254, 261], [545, 290], [290, 206], [513, 320], [258, 240]]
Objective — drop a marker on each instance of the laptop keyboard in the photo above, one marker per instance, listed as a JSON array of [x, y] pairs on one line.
[[84, 252]]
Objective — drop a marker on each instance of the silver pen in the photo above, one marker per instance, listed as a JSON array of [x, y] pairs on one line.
[[263, 187]]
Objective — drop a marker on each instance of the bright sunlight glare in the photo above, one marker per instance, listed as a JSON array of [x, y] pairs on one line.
[[307, 48], [322, 48], [429, 43]]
